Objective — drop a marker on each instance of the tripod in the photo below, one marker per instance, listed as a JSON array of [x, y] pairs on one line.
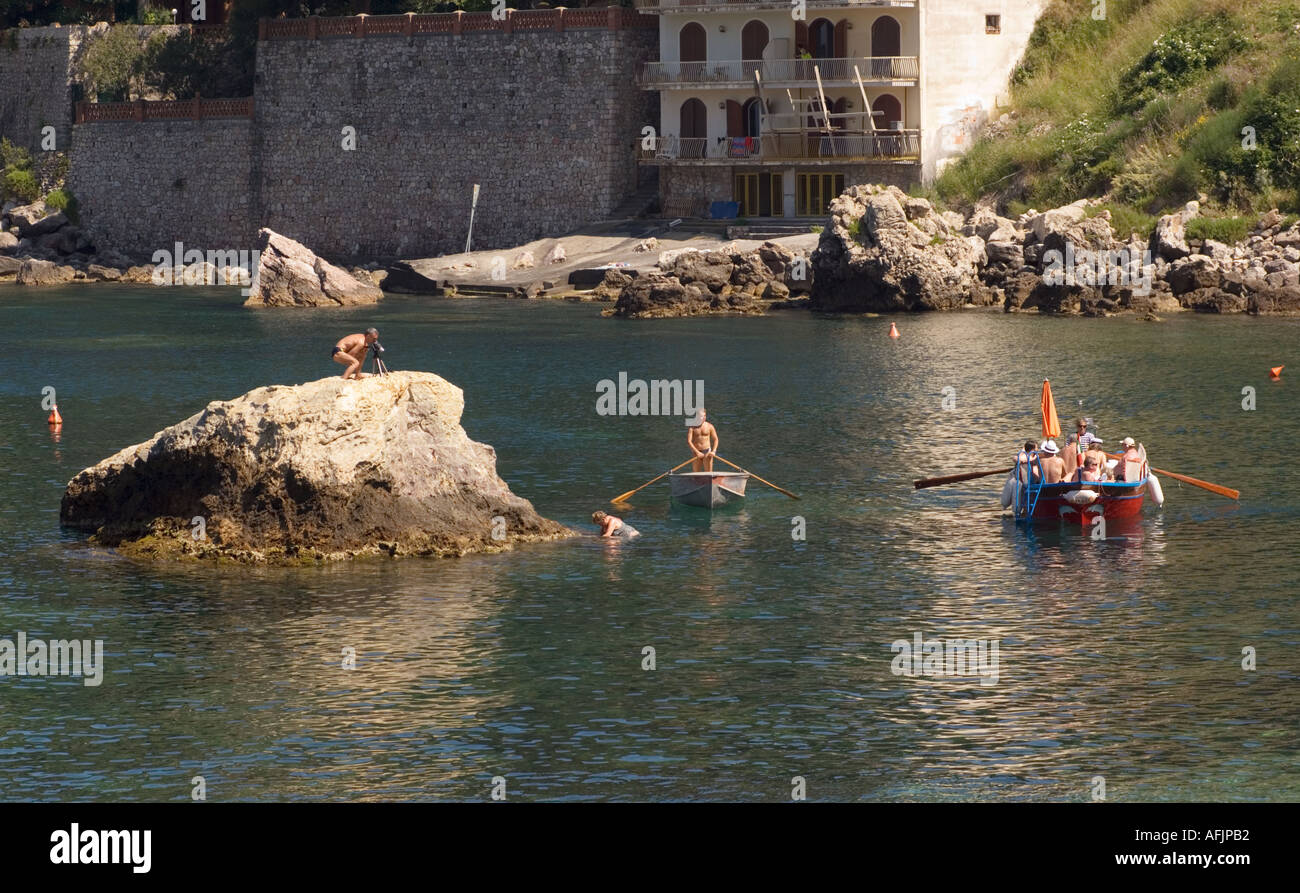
[[376, 354]]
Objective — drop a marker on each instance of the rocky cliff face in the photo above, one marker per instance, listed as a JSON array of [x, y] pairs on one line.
[[324, 470]]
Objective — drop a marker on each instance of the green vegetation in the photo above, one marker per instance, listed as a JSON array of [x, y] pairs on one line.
[[62, 200], [1196, 98], [21, 186], [111, 67], [17, 181], [1228, 230], [20, 179]]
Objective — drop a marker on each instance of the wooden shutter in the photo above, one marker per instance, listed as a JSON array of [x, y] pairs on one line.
[[735, 118]]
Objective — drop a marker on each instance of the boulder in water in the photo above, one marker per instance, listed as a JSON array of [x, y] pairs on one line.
[[324, 470], [290, 275]]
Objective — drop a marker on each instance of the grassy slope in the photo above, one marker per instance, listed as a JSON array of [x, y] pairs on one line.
[[1145, 109]]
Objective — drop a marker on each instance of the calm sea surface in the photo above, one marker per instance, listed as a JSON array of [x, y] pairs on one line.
[[1120, 658]]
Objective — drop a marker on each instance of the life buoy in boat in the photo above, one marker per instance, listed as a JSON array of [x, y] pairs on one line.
[[1081, 497], [1153, 488], [1009, 490]]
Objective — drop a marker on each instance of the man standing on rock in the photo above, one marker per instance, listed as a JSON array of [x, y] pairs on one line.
[[351, 352]]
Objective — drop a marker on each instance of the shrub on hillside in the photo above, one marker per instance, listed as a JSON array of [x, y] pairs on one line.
[[21, 185], [1177, 57], [1229, 230], [111, 66], [14, 156]]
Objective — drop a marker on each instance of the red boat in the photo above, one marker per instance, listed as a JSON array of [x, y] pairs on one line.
[[1078, 502]]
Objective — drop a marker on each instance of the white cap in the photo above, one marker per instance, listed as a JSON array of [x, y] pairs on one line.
[[1128, 442], [1049, 446]]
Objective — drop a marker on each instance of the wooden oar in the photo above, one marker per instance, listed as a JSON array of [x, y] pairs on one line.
[[623, 496], [757, 478], [1195, 482], [957, 478]]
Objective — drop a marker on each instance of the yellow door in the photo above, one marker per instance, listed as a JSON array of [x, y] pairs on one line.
[[814, 193]]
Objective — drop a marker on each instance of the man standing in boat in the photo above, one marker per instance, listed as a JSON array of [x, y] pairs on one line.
[[703, 441]]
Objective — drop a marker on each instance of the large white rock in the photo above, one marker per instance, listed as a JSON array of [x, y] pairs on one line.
[[323, 470], [290, 275]]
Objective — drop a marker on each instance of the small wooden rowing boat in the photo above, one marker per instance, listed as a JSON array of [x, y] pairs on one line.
[[708, 489]]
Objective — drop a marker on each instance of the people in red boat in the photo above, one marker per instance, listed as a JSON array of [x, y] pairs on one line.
[[1025, 462], [1131, 454], [1053, 464], [1090, 470], [1070, 456]]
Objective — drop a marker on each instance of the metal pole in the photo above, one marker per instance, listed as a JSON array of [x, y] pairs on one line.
[[473, 206]]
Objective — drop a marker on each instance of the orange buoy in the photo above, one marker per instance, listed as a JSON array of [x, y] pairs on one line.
[[55, 418], [1276, 371], [893, 330]]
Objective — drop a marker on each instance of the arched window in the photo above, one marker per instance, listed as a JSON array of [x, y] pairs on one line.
[[753, 40], [692, 43], [821, 39], [891, 112], [886, 37]]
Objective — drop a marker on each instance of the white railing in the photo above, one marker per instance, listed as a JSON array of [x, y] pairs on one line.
[[873, 69], [882, 144]]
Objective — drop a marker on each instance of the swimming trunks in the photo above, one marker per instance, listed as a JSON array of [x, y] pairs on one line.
[[625, 530], [337, 350]]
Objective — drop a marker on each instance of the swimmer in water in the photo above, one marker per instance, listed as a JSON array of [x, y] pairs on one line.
[[611, 527]]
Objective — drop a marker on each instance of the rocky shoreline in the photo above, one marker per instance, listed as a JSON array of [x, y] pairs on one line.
[[882, 251], [40, 246], [885, 251]]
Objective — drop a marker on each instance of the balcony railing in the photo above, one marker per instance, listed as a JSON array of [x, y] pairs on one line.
[[874, 69], [887, 145], [721, 5]]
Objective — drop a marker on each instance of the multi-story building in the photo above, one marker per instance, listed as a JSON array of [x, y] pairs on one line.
[[778, 105]]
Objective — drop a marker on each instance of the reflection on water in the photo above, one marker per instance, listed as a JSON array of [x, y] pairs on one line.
[[1120, 657]]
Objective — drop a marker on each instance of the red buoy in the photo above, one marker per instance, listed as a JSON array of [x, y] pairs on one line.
[[893, 330], [55, 418], [1276, 371]]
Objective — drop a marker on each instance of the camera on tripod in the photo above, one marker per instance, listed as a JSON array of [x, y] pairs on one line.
[[377, 355]]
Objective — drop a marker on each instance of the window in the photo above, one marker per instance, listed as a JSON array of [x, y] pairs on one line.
[[993, 24]]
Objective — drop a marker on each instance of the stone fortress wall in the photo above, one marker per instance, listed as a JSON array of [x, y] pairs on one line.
[[366, 135], [36, 77]]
